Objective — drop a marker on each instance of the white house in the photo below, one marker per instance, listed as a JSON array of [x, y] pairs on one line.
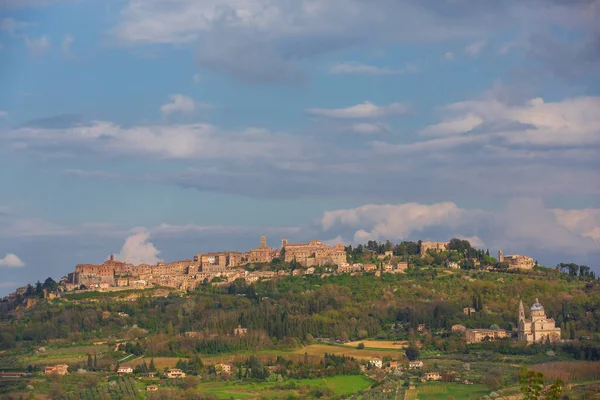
[[124, 370]]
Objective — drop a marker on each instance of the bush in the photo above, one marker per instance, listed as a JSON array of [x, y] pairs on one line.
[[360, 346]]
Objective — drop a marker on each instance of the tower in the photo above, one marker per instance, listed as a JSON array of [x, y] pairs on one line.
[[500, 256], [521, 311], [263, 241], [284, 242]]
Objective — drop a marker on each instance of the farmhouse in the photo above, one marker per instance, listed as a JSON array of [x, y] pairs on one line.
[[432, 376], [175, 373], [60, 369], [124, 370]]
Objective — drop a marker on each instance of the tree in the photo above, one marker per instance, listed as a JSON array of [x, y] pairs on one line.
[[90, 362], [554, 391], [412, 352], [151, 367], [531, 384], [49, 284], [360, 346], [190, 381]]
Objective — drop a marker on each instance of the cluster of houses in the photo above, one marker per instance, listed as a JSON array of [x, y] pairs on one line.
[[394, 366], [222, 268]]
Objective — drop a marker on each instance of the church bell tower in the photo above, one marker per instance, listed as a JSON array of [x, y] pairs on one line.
[[521, 311]]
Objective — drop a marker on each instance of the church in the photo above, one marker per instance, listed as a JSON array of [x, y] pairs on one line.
[[537, 329]]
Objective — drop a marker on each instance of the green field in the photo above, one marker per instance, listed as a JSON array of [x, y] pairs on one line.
[[65, 355], [340, 385], [441, 391]]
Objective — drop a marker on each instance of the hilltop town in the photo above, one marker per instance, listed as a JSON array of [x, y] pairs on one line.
[[223, 268]]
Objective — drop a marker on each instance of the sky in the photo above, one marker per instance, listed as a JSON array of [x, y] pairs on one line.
[[157, 129]]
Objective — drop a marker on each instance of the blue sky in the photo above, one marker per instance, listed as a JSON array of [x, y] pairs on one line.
[[203, 124]]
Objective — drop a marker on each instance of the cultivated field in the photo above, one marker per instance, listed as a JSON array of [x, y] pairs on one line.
[[67, 355], [366, 354], [441, 391], [340, 385], [379, 344]]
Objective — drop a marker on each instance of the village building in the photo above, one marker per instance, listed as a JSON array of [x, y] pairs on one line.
[[223, 368], [435, 247], [239, 331], [469, 310], [516, 261], [59, 369], [175, 373], [480, 335], [458, 328], [432, 376], [12, 375], [538, 328], [124, 370], [151, 388], [376, 362], [313, 253], [261, 254], [415, 364]]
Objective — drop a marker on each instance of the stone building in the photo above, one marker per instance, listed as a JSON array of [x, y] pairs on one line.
[[516, 261], [261, 254], [433, 246], [313, 253], [480, 335], [538, 328]]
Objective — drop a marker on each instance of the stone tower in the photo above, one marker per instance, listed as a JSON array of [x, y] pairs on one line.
[[263, 241], [521, 311], [284, 242], [500, 256]]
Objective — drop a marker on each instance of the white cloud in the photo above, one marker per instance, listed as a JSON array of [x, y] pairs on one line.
[[11, 261], [3, 114], [449, 56], [198, 141], [197, 78], [37, 46], [369, 127], [364, 110], [459, 125], [179, 104], [8, 284], [391, 221], [585, 223], [571, 121], [66, 44], [138, 250], [475, 48], [358, 68], [523, 223]]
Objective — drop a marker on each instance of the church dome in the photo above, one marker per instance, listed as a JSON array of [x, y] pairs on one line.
[[536, 306]]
